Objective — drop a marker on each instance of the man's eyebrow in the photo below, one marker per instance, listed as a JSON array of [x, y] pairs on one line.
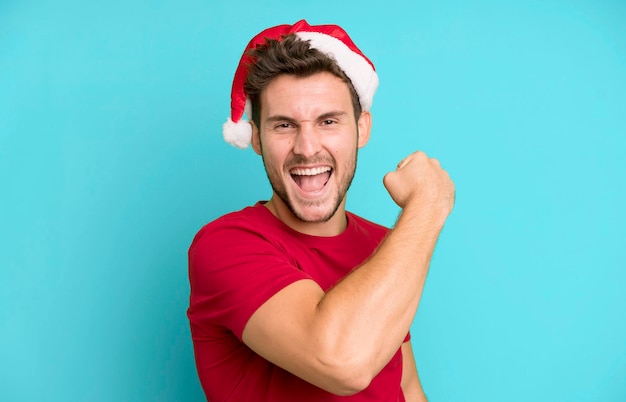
[[275, 118], [338, 113]]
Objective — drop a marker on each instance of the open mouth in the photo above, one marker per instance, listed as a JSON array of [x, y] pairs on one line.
[[311, 180]]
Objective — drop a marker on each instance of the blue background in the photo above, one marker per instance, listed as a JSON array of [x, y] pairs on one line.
[[111, 158]]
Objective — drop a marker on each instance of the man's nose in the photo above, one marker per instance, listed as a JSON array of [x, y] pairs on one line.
[[308, 141]]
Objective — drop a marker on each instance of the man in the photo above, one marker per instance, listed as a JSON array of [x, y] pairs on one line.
[[296, 299]]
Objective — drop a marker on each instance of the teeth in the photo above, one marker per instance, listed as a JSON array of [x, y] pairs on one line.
[[311, 171]]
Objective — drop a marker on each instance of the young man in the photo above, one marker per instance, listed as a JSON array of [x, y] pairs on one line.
[[296, 299]]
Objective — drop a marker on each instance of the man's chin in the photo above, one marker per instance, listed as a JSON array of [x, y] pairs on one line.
[[313, 211], [310, 211]]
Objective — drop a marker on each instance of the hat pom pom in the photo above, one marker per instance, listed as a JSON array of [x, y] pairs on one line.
[[237, 134]]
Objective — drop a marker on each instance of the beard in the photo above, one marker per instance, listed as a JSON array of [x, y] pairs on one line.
[[343, 184]]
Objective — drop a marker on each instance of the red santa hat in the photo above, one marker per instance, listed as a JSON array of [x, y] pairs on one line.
[[331, 40]]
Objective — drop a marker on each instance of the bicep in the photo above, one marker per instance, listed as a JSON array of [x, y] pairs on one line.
[[283, 332]]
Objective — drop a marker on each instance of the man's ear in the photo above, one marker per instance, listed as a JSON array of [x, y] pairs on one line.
[[365, 125], [255, 140]]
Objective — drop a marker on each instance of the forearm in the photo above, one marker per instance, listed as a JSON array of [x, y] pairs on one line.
[[374, 306]]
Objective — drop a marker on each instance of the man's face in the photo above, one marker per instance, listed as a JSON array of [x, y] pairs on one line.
[[308, 138]]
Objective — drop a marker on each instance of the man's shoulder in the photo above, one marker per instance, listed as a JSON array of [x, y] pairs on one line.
[[247, 220], [365, 230], [240, 217], [366, 224]]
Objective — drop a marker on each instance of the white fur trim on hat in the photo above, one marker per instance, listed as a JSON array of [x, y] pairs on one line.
[[360, 72]]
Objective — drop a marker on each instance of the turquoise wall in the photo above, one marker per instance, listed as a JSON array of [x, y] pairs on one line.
[[111, 158]]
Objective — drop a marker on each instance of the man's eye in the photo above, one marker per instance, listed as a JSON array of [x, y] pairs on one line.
[[328, 122], [283, 125]]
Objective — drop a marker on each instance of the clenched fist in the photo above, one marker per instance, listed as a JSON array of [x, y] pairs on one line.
[[420, 182]]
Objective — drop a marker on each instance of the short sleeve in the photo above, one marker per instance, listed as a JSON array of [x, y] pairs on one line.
[[233, 270]]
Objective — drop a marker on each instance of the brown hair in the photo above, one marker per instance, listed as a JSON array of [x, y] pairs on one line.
[[289, 56]]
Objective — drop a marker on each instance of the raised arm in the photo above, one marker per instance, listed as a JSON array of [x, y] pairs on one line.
[[341, 339]]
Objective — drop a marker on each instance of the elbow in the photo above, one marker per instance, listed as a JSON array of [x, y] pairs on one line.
[[349, 387], [346, 376], [346, 364]]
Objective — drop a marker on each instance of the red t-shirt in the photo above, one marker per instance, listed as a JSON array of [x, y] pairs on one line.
[[239, 261]]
